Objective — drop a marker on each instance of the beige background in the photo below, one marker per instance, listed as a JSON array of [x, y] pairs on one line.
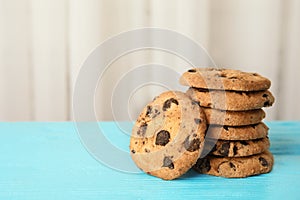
[[44, 42]]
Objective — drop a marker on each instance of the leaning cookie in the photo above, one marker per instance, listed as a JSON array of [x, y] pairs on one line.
[[231, 100], [233, 118], [168, 136], [235, 167], [248, 132], [224, 79], [238, 148]]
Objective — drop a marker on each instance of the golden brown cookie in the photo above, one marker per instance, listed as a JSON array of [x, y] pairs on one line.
[[231, 100], [224, 79], [235, 167], [238, 148], [233, 118], [168, 136], [249, 132]]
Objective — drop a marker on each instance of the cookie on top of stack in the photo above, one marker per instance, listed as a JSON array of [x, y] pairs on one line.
[[232, 101]]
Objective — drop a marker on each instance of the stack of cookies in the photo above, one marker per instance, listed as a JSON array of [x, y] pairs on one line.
[[237, 140], [215, 127]]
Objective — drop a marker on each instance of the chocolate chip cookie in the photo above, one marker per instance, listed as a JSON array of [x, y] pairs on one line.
[[168, 136], [233, 118], [235, 167], [231, 100], [238, 148], [224, 79], [249, 132]]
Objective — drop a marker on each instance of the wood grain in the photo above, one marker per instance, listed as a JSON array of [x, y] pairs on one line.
[[43, 44], [50, 67], [246, 36], [15, 61]]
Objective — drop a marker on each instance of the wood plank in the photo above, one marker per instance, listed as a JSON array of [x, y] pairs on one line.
[[50, 71], [15, 61], [37, 72], [91, 23], [85, 33], [166, 15], [289, 81], [189, 18], [246, 35], [122, 21]]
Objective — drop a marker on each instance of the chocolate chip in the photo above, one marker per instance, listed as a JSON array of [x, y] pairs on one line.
[[193, 145], [255, 74], [232, 166], [133, 151], [168, 162], [146, 150], [265, 95], [197, 121], [149, 110], [142, 129], [267, 103], [152, 113], [192, 70], [226, 128], [263, 162], [168, 103], [232, 77], [162, 138], [235, 150], [155, 113], [224, 150], [202, 165]]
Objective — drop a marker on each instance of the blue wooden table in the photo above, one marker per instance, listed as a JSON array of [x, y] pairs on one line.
[[48, 161]]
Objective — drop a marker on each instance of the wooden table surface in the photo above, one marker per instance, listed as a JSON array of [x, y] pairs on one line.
[[41, 160]]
